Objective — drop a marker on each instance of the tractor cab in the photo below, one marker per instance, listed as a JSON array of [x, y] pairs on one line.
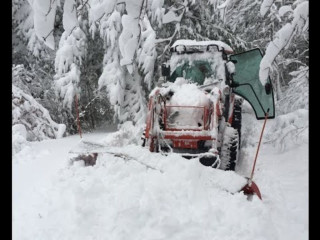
[[199, 62], [207, 63]]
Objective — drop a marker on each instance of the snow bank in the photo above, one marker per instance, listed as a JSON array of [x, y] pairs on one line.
[[123, 199], [135, 194], [127, 134], [19, 138], [284, 181], [296, 96], [289, 130]]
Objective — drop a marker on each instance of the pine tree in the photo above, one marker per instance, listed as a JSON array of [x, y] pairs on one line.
[[109, 52]]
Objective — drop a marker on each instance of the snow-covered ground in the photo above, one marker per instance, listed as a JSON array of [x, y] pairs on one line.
[[156, 197]]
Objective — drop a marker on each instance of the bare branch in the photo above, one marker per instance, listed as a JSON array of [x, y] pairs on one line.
[[73, 7], [141, 10], [170, 40], [72, 30], [45, 38], [82, 5], [50, 7], [99, 19], [268, 6]]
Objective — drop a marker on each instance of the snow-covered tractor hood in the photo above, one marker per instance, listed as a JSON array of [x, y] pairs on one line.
[[185, 103]]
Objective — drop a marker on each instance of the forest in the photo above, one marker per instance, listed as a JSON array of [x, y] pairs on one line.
[[103, 57]]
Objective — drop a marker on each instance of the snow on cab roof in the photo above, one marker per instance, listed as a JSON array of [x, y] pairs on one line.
[[188, 42]]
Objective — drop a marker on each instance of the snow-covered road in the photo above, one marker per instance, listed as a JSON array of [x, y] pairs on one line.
[[175, 199]]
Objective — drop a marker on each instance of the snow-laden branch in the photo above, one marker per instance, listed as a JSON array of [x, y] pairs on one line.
[[44, 17], [36, 119], [284, 9], [147, 53], [171, 16], [289, 130], [223, 9], [155, 10], [70, 20], [129, 38], [99, 10], [265, 6], [72, 49], [283, 38], [112, 77], [176, 30]]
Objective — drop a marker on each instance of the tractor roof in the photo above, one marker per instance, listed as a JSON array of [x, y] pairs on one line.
[[199, 46]]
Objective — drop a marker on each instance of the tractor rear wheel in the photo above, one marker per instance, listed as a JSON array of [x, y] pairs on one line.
[[208, 161], [229, 149]]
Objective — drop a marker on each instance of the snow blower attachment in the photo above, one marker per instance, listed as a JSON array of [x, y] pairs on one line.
[[197, 110]]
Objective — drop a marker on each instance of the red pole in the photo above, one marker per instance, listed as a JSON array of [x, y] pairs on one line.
[[255, 160], [78, 120]]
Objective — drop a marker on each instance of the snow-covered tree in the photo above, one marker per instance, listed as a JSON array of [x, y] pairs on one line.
[[24, 31], [129, 58], [113, 76], [34, 117], [296, 95], [109, 51], [288, 51], [283, 38], [69, 57], [257, 22]]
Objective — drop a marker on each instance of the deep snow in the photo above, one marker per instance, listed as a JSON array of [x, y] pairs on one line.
[[172, 199]]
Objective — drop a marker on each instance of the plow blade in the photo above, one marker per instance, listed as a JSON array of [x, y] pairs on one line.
[[89, 151], [251, 189]]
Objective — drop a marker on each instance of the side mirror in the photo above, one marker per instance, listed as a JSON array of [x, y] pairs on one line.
[[165, 71], [267, 88]]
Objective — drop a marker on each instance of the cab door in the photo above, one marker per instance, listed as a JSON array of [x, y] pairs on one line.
[[246, 83]]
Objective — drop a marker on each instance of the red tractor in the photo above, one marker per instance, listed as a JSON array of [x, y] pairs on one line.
[[197, 110]]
